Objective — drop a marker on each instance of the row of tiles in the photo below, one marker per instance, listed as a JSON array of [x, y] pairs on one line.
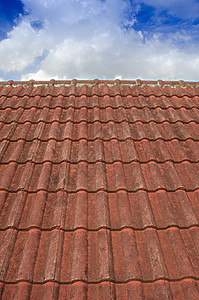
[[93, 211], [132, 115], [99, 176], [101, 102], [98, 150], [98, 90], [97, 130], [181, 290], [95, 256]]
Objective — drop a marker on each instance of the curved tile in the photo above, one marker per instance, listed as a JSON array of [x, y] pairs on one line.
[[99, 190]]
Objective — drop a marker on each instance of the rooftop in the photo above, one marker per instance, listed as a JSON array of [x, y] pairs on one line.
[[99, 190]]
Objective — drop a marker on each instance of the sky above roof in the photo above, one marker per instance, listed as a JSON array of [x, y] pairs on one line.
[[86, 39]]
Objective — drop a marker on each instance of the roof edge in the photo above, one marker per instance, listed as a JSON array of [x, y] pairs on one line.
[[118, 82]]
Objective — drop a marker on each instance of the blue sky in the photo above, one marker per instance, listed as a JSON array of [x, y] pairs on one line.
[[85, 39]]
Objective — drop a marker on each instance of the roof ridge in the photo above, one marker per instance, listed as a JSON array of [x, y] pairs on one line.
[[116, 82]]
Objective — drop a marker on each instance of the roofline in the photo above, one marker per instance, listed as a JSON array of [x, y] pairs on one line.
[[118, 82]]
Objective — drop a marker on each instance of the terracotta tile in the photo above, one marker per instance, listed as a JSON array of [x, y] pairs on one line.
[[47, 291], [189, 174], [152, 150], [99, 190]]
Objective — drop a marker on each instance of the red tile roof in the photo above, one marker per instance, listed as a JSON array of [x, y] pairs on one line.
[[99, 190]]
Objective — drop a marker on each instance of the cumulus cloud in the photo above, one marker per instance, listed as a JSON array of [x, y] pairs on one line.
[[20, 49], [89, 39]]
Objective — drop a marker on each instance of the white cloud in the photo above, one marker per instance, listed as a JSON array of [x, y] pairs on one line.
[[20, 48], [85, 39]]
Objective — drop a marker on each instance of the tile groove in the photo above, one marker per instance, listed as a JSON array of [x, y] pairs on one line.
[[108, 228], [102, 281]]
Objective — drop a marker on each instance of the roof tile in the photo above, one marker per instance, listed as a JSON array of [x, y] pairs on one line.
[[99, 190]]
